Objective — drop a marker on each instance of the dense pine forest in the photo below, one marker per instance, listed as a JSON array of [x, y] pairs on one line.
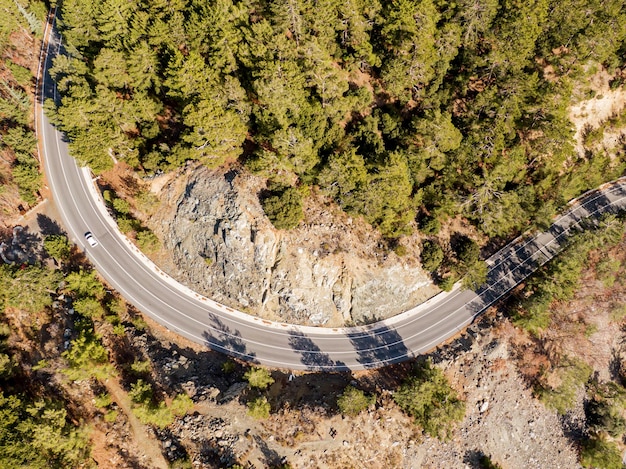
[[37, 428], [406, 112], [401, 111], [20, 180]]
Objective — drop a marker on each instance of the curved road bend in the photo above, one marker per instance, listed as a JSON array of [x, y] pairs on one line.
[[281, 345]]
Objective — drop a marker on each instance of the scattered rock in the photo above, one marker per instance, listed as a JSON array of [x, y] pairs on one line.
[[484, 406], [232, 392]]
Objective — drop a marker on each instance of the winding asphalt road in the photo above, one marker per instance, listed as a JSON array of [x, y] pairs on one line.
[[282, 345]]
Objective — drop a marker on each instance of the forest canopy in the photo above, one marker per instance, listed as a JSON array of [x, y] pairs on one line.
[[401, 111]]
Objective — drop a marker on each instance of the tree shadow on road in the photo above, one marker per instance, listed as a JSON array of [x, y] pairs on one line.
[[374, 347], [378, 346], [222, 338], [312, 355]]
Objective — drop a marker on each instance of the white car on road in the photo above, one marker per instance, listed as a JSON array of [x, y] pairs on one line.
[[91, 239]]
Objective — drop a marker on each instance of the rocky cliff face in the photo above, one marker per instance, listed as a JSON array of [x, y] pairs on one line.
[[329, 271]]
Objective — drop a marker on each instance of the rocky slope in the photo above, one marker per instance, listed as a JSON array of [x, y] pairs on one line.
[[503, 420], [330, 271], [305, 429]]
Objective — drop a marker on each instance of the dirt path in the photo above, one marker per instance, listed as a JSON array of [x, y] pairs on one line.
[[146, 442]]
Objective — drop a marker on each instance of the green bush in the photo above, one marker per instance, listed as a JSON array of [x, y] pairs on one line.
[[28, 182], [41, 365], [39, 435], [604, 408], [353, 401], [475, 276], [618, 312], [534, 314], [112, 319], [103, 400], [57, 246], [430, 225], [147, 241], [121, 206], [110, 416], [87, 358], [23, 142], [486, 463], [607, 270], [7, 366], [22, 75], [108, 196], [428, 398], [229, 366], [284, 208], [28, 289], [401, 250], [146, 409], [139, 323], [89, 307], [432, 255], [259, 408], [158, 415], [147, 202], [128, 224], [141, 392], [467, 250], [141, 367], [572, 374], [181, 404], [150, 412], [598, 452], [85, 283], [258, 378], [447, 283], [592, 136], [604, 417], [184, 463]]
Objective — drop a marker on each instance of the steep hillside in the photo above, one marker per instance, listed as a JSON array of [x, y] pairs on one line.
[[399, 111], [333, 270], [20, 31]]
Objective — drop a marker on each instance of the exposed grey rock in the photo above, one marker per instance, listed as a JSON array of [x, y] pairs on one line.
[[329, 271], [233, 392]]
